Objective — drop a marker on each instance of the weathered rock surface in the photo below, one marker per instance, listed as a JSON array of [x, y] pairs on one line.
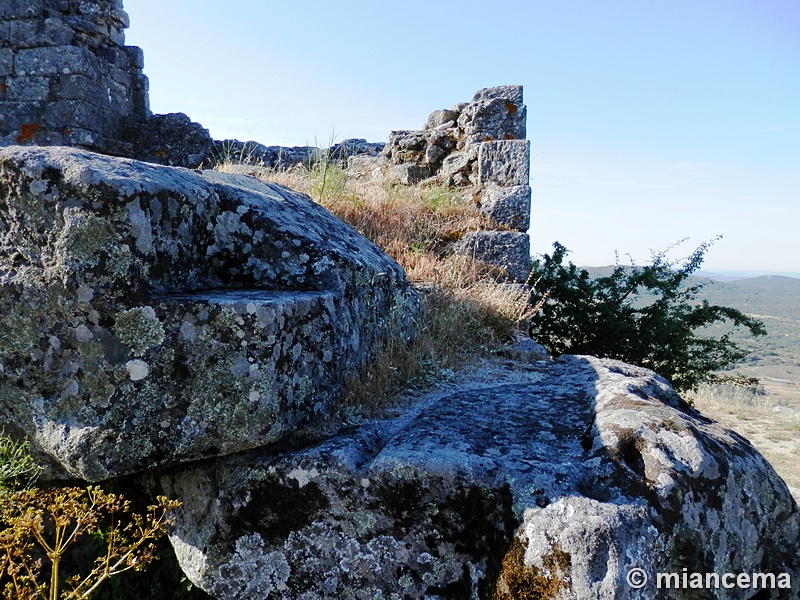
[[155, 315], [508, 206], [172, 139], [66, 76], [504, 163], [494, 114], [545, 480], [446, 146]]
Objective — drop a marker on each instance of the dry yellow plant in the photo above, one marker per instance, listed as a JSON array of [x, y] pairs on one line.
[[41, 525]]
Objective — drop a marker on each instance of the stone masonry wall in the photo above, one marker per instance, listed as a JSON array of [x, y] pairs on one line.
[[66, 77], [480, 146]]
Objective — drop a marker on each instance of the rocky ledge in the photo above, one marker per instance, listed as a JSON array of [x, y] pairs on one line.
[[194, 328], [530, 480]]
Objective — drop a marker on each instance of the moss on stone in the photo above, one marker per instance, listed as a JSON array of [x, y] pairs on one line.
[[18, 330], [84, 237], [98, 387]]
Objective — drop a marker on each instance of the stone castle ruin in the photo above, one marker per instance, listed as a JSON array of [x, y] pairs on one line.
[[479, 146], [68, 79], [66, 76], [188, 331]]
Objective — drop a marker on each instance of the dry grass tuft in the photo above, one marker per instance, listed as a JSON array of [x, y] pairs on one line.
[[748, 411], [412, 224], [733, 397]]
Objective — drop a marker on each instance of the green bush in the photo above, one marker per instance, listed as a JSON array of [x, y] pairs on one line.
[[647, 316]]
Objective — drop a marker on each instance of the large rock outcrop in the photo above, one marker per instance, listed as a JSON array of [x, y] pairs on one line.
[[155, 315], [543, 480]]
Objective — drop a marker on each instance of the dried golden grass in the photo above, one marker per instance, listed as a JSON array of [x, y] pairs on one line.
[[456, 327], [731, 396], [412, 224]]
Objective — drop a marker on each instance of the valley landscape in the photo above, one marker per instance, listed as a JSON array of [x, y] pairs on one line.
[[769, 418]]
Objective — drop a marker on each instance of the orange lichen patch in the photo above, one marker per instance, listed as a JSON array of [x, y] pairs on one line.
[[520, 581], [489, 138], [161, 152], [508, 136], [28, 132], [511, 108], [3, 89]]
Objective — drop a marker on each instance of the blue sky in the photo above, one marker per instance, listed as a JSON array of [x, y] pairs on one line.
[[649, 121]]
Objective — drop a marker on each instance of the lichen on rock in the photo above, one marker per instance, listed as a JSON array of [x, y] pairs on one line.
[[139, 329], [157, 315], [544, 480]]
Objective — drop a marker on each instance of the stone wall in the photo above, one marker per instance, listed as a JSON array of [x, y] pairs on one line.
[[66, 76], [481, 147]]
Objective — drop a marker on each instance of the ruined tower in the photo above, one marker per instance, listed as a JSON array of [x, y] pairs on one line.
[[66, 76]]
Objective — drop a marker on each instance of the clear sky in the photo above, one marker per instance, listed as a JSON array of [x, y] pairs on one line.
[[649, 120]]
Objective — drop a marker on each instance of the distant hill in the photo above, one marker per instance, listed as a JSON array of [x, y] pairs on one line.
[[771, 283], [721, 276], [775, 300], [734, 275], [773, 295]]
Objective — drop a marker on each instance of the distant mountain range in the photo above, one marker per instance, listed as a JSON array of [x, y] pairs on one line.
[[772, 295], [736, 275], [773, 283]]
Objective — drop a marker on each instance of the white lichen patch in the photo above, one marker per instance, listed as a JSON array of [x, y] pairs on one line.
[[85, 293], [188, 331], [255, 373], [252, 572], [137, 369], [240, 367], [38, 186], [303, 476], [83, 333], [141, 227], [71, 388]]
